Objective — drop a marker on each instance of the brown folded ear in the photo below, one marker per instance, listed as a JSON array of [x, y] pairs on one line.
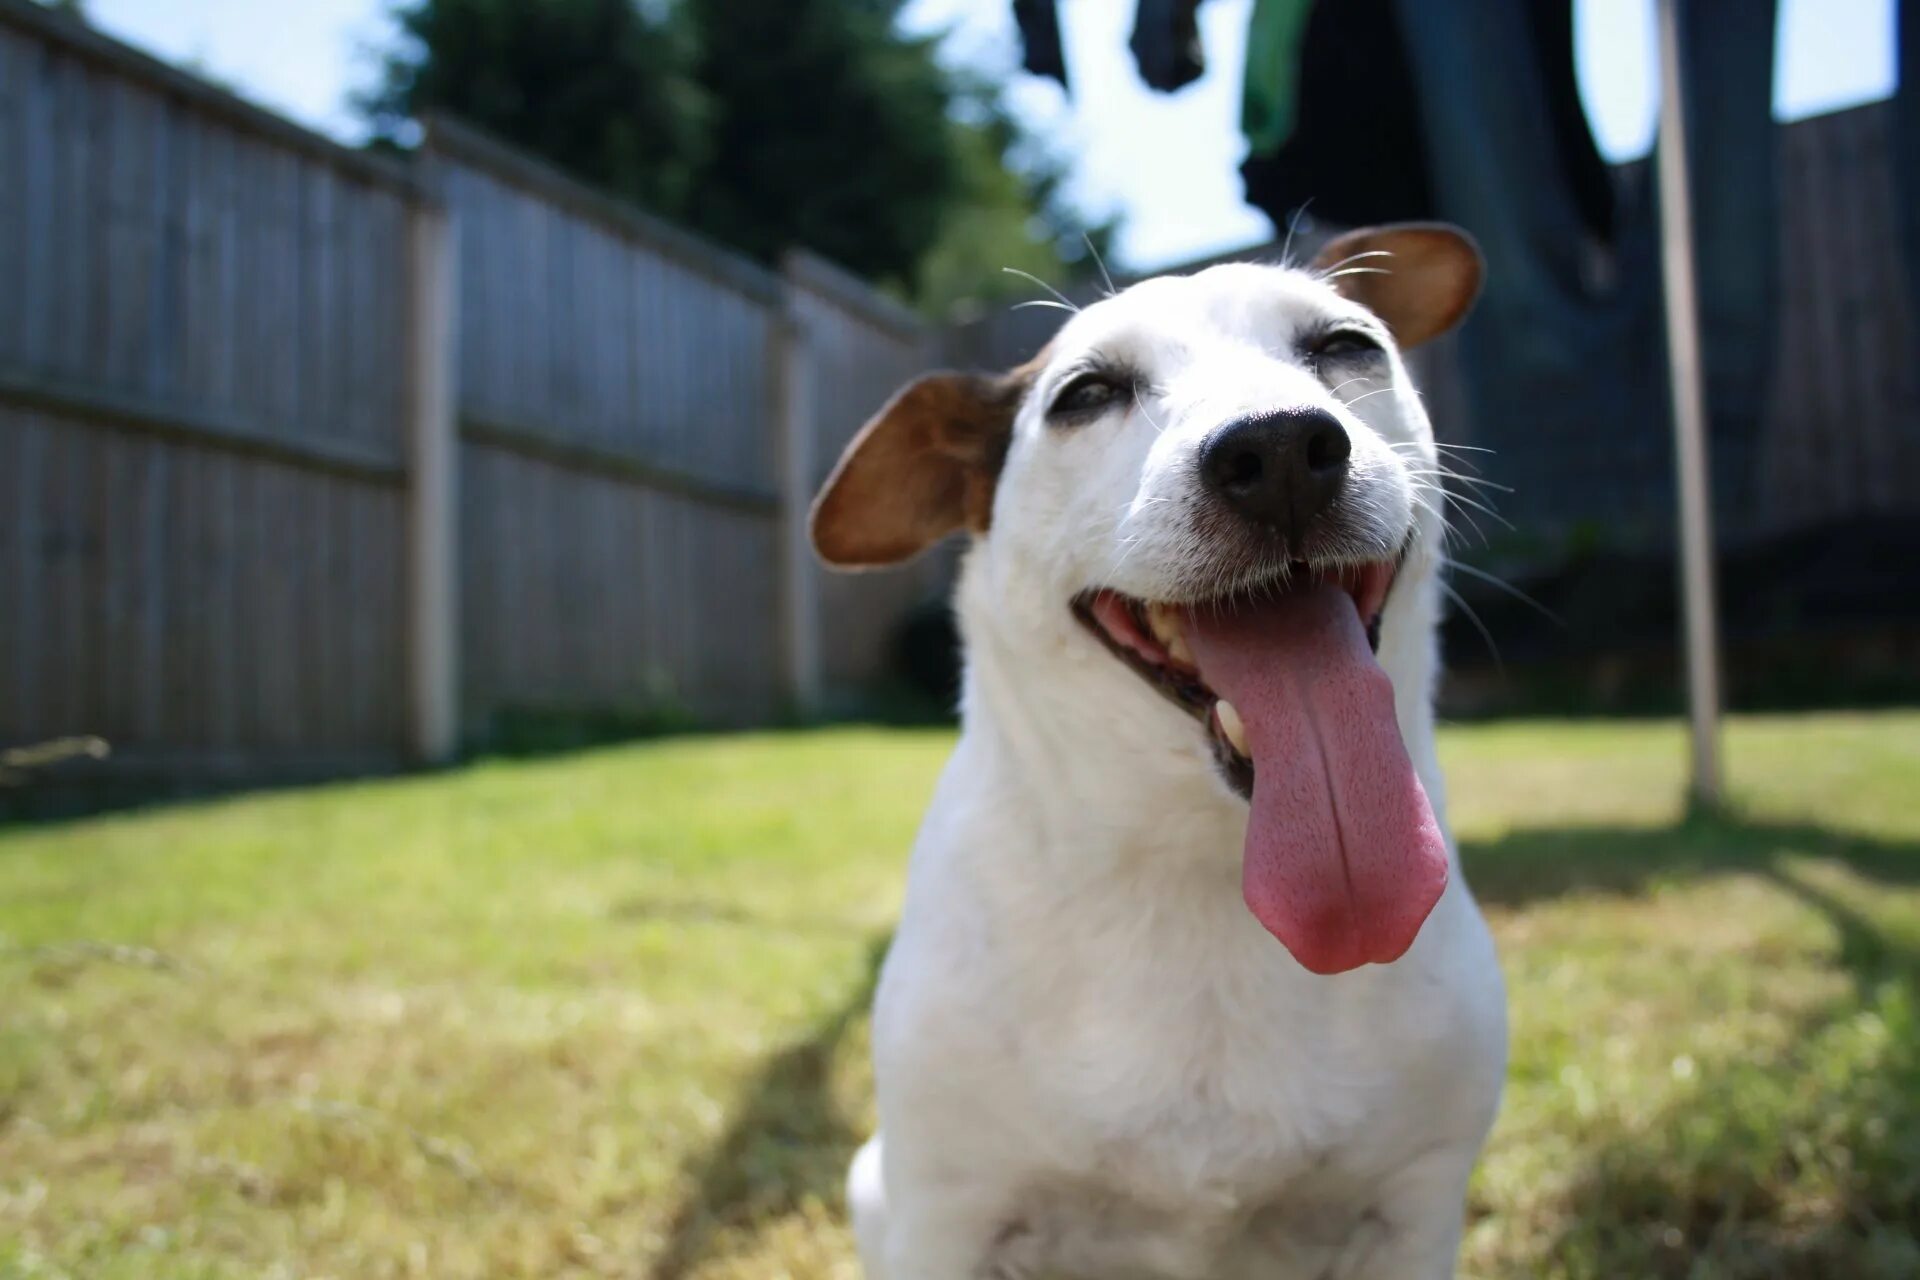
[[923, 467], [1419, 277]]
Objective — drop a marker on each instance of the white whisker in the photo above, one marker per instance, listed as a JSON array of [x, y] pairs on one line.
[[1140, 404], [1293, 225], [1509, 588], [1466, 515], [1355, 257], [1104, 273], [1028, 275], [1475, 481], [1480, 626]]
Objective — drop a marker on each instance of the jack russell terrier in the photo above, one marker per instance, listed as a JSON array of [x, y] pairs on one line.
[[1187, 983]]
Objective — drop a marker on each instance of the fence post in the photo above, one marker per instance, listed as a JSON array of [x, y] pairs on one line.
[[799, 574], [433, 666]]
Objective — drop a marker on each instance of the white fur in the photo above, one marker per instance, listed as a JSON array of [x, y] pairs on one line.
[[1092, 1060]]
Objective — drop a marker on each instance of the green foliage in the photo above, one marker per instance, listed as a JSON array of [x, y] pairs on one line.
[[1013, 215], [598, 87], [828, 131], [766, 124]]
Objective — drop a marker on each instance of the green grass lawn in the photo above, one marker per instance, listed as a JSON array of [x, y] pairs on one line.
[[605, 1014]]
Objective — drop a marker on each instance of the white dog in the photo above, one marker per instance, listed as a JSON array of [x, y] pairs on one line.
[[1187, 983]]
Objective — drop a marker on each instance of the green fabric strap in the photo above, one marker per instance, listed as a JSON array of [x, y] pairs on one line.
[[1271, 92]]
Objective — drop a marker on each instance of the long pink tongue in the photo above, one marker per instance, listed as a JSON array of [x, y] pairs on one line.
[[1344, 858]]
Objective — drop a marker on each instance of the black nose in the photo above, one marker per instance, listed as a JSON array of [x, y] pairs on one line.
[[1278, 469]]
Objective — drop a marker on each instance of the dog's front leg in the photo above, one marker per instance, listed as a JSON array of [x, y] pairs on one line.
[[950, 1235], [1414, 1231]]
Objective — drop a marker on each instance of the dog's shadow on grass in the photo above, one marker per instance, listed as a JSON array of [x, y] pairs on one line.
[[1717, 1186], [1531, 866], [1632, 1209], [787, 1142], [1535, 864]]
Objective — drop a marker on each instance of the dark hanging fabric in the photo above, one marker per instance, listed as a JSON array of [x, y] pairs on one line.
[[1039, 23], [1355, 151], [1470, 111], [1550, 30], [1554, 344], [1906, 139], [1271, 89], [1166, 43], [1357, 148]]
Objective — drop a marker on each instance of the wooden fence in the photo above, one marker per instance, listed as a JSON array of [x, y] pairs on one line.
[[204, 436], [1842, 433], [854, 350], [314, 461], [617, 433]]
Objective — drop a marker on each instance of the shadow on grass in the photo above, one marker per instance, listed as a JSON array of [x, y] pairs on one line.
[[787, 1142], [1716, 1188], [1803, 1165], [1533, 865]]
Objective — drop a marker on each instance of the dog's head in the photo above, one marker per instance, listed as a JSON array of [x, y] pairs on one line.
[[1220, 479]]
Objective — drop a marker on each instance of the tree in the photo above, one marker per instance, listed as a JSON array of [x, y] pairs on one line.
[[765, 124], [1014, 219], [828, 131], [599, 87]]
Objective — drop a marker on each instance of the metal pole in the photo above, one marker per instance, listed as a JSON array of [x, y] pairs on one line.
[[1689, 420]]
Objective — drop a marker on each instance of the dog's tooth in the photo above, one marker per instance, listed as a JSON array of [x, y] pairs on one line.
[[1177, 647], [1232, 726], [1166, 629]]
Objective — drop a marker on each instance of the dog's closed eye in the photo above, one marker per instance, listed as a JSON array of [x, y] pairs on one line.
[[1088, 395], [1344, 344]]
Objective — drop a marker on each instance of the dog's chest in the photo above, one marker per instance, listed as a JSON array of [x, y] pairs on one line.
[[1217, 1106], [1184, 1049], [1203, 1162]]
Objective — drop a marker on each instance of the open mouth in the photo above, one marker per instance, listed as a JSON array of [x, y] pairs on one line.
[[1344, 858], [1152, 637]]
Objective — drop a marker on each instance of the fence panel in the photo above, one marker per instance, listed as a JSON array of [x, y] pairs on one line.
[[862, 349], [619, 543], [201, 418], [1842, 431]]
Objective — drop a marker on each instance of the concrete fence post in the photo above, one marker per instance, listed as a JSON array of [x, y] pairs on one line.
[[432, 526]]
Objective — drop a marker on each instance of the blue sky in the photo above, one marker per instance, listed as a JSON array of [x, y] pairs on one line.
[[1168, 163]]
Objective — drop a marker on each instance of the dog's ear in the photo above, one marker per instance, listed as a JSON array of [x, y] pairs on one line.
[[923, 467], [1419, 277]]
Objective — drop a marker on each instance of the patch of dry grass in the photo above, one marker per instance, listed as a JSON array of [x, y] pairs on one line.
[[605, 1015]]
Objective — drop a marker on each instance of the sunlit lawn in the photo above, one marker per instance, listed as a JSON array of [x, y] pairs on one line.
[[604, 1014]]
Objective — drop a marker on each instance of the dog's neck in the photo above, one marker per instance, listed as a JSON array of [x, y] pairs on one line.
[[1083, 740]]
